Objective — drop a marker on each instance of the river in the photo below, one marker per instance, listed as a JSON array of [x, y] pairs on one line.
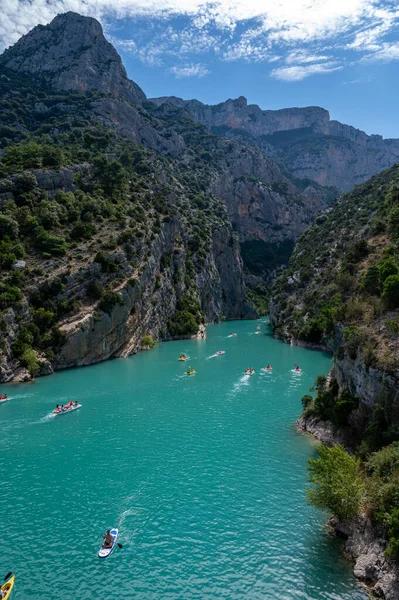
[[204, 476]]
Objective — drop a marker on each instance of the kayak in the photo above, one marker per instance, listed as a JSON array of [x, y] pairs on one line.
[[190, 372], [220, 352], [67, 410], [7, 587], [184, 359], [104, 552]]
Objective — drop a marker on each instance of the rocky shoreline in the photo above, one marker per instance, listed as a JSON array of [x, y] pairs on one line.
[[365, 542]]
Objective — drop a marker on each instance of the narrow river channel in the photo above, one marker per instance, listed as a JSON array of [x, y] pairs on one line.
[[204, 476]]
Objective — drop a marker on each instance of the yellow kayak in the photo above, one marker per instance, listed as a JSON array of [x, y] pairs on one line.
[[182, 358], [191, 372], [7, 587]]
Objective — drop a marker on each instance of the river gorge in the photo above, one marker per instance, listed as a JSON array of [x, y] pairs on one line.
[[204, 476]]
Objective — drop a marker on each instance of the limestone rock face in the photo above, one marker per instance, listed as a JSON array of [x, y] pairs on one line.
[[303, 140], [93, 337], [71, 53], [365, 545]]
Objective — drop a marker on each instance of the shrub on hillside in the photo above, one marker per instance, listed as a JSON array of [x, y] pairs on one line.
[[390, 292], [8, 227], [371, 281], [50, 244], [386, 268], [29, 360], [108, 264], [95, 290], [343, 406], [109, 301]]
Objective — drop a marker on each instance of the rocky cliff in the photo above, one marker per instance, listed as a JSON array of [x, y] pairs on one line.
[[110, 235], [304, 141], [341, 292], [267, 210], [71, 53]]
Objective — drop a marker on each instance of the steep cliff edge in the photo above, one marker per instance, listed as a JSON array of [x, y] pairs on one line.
[[71, 53], [105, 244], [266, 209], [304, 141], [341, 291]]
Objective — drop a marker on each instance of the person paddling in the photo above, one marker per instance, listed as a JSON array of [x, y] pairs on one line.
[[108, 539]]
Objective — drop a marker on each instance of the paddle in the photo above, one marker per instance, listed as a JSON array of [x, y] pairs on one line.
[[8, 576], [119, 545]]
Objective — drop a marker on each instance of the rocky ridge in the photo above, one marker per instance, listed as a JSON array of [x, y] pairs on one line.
[[106, 241], [305, 142], [71, 53], [267, 211]]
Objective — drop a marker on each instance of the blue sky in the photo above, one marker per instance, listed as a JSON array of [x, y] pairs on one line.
[[339, 54]]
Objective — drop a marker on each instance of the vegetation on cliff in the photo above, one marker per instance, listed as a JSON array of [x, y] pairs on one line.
[[84, 209], [341, 484], [344, 277], [341, 292]]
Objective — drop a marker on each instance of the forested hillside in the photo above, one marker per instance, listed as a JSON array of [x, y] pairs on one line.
[[103, 241]]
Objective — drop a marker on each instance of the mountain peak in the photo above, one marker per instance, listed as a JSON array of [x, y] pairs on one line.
[[71, 53]]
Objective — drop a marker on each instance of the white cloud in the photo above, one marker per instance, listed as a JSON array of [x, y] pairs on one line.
[[387, 52], [286, 20], [368, 38], [358, 80], [299, 72], [197, 70], [304, 57], [308, 35]]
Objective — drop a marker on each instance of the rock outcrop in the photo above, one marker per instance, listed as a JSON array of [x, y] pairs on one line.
[[267, 210], [148, 287], [303, 140], [71, 53], [365, 545]]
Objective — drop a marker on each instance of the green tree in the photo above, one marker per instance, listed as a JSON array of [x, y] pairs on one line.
[[148, 342], [391, 291], [386, 268], [336, 481], [371, 281], [29, 360], [8, 227]]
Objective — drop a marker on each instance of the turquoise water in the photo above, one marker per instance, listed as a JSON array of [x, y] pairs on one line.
[[203, 475]]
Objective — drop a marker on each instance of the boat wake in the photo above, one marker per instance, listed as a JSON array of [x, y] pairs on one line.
[[47, 418], [215, 355]]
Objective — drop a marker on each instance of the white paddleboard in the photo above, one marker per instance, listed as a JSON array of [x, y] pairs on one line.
[[104, 552]]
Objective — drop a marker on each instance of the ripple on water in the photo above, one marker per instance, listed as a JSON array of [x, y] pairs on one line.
[[204, 477]]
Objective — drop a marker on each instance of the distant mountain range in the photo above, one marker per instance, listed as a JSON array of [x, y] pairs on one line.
[[303, 141]]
